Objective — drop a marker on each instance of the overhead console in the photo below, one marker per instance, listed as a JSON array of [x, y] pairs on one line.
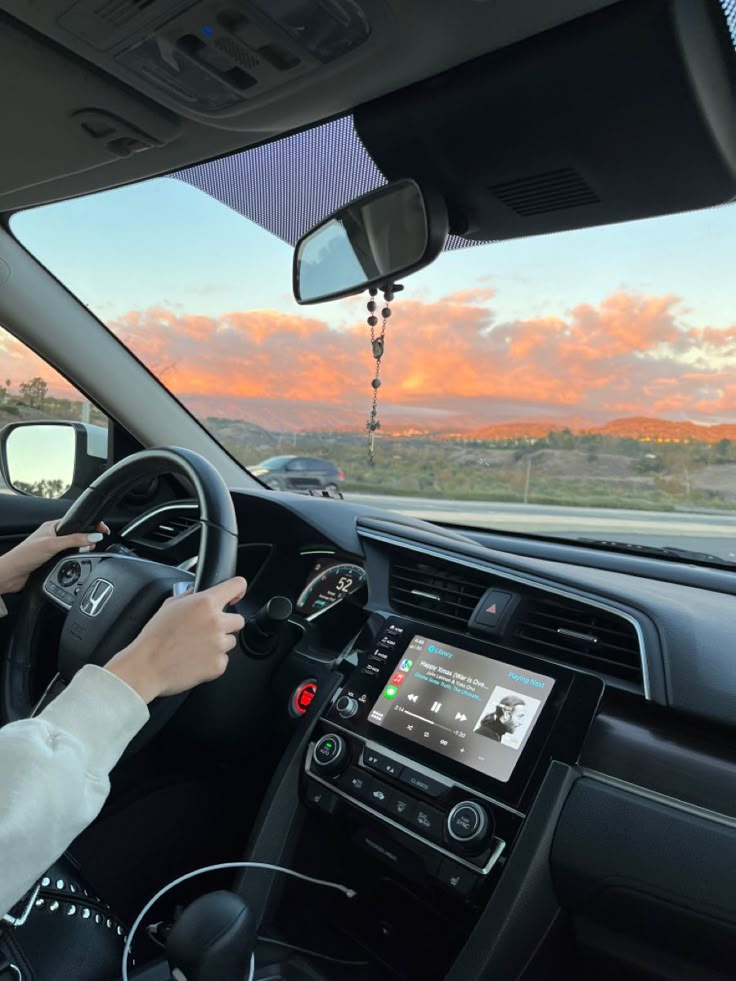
[[213, 57]]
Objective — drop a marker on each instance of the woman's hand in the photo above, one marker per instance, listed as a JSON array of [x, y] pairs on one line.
[[40, 546], [185, 643]]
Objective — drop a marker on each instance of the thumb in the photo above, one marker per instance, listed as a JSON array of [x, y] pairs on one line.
[[81, 539], [229, 592]]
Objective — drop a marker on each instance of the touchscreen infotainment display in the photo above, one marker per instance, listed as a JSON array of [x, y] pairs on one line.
[[469, 708]]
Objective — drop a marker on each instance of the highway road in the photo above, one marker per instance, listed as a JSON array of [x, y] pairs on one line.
[[713, 532]]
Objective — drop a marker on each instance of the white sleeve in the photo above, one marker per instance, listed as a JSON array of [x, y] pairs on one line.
[[54, 773]]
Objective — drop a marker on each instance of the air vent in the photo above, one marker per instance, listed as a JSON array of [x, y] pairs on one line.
[[554, 191], [435, 593], [168, 528], [579, 635]]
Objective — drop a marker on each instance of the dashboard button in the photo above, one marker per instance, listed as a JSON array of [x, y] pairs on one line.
[[346, 706], [330, 753], [457, 878], [382, 764], [467, 821], [428, 822], [402, 807], [388, 642], [380, 796], [492, 609], [302, 697], [427, 785], [357, 783], [320, 797], [379, 656]]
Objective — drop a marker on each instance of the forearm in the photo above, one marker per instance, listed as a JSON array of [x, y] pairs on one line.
[[54, 773]]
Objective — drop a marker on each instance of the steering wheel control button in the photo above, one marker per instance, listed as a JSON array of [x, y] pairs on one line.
[[427, 785], [467, 822], [69, 573], [428, 822], [382, 764], [57, 591], [457, 878], [330, 753], [346, 706], [302, 698]]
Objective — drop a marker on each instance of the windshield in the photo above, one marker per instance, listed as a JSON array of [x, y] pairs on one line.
[[573, 385]]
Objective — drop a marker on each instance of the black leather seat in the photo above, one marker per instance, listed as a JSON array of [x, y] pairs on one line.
[[70, 934]]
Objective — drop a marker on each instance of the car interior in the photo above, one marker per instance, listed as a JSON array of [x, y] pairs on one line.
[[491, 755]]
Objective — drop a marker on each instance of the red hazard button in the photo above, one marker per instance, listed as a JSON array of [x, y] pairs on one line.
[[303, 697], [492, 609]]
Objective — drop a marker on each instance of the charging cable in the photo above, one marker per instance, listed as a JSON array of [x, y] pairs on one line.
[[350, 893]]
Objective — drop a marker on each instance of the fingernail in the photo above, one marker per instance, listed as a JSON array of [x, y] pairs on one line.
[[86, 548], [95, 537]]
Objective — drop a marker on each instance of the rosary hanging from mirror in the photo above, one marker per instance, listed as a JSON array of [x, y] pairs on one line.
[[378, 347]]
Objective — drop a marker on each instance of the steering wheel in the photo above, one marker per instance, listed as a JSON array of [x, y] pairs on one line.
[[107, 598]]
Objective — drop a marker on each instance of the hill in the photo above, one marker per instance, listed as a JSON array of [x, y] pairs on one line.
[[634, 427]]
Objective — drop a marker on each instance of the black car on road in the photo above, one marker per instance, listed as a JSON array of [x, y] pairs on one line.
[[298, 473]]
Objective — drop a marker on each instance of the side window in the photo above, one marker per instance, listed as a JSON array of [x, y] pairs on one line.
[[53, 442]]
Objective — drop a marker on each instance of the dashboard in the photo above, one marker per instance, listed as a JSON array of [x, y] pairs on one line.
[[473, 707]]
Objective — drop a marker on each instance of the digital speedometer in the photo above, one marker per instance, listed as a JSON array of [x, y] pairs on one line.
[[328, 584]]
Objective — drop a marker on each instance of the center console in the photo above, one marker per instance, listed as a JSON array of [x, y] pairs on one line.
[[429, 757], [426, 777]]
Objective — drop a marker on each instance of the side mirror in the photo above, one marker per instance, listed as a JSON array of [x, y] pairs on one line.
[[52, 459], [373, 241]]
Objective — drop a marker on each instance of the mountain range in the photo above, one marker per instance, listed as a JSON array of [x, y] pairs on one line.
[[632, 427]]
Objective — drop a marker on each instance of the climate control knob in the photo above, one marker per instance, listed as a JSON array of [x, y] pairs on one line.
[[469, 826], [329, 755], [346, 706]]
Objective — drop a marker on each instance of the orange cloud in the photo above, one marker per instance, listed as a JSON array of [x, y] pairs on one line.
[[477, 295], [629, 354], [451, 358]]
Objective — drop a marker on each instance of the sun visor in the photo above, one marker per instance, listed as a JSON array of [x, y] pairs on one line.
[[626, 113]]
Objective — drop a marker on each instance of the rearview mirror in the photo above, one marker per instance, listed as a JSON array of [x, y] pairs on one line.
[[52, 459], [373, 241]]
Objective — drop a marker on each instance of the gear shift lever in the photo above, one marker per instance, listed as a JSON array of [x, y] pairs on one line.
[[213, 939], [261, 632]]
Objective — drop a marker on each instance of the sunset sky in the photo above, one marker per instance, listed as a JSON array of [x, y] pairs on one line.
[[579, 328]]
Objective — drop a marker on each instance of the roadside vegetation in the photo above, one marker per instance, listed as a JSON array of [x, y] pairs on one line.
[[563, 469], [590, 470]]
